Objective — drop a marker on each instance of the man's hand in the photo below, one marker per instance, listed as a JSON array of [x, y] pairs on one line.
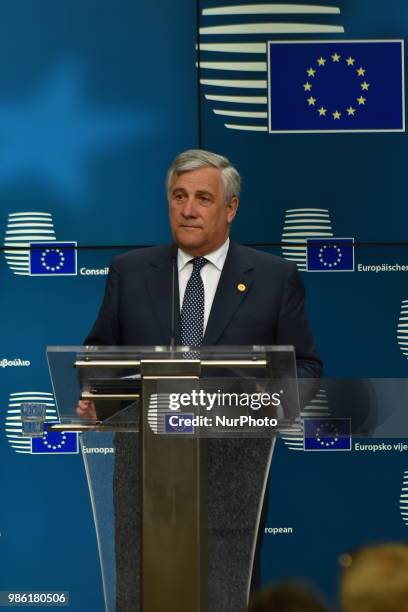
[[86, 410]]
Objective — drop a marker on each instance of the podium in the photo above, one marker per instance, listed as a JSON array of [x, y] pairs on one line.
[[177, 455]]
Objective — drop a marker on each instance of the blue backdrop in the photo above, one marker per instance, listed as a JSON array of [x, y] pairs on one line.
[[97, 98]]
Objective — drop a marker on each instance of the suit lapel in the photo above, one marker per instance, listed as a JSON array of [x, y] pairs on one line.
[[233, 286], [159, 285]]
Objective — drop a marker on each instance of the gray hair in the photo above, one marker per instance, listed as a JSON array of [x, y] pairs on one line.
[[194, 159]]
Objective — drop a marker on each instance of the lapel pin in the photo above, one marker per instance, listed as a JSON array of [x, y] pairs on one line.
[[241, 287]]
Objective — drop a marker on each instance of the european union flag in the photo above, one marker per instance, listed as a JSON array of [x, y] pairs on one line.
[[330, 255], [53, 258], [336, 86], [178, 422], [326, 434], [55, 442]]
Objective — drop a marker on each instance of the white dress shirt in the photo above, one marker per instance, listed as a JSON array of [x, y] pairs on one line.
[[210, 275]]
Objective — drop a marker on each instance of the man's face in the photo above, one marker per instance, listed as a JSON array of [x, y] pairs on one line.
[[199, 216]]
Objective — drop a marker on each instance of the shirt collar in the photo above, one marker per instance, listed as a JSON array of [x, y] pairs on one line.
[[217, 257]]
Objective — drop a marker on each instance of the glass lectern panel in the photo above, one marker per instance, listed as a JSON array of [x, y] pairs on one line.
[[177, 445], [110, 377]]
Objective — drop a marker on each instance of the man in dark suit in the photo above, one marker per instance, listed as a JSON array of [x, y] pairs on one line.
[[224, 294], [250, 297]]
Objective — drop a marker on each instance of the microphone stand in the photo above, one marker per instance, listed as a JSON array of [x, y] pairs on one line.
[[173, 300]]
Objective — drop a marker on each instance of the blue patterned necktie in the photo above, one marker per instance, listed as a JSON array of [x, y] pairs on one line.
[[192, 311]]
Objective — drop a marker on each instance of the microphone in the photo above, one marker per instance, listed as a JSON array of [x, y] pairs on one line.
[[174, 250]]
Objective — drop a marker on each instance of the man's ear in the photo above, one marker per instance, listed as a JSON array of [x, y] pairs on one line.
[[232, 209]]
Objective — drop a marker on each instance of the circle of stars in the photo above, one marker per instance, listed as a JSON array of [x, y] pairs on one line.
[[323, 252], [338, 113], [51, 443], [322, 432], [57, 266]]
